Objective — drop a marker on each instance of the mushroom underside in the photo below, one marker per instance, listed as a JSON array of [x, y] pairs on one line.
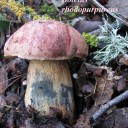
[[49, 85]]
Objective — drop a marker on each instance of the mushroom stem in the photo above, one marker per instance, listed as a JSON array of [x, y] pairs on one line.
[[49, 85]]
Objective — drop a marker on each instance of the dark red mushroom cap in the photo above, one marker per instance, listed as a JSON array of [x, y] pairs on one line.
[[46, 40]]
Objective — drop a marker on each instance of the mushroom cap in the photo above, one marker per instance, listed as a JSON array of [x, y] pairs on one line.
[[46, 40]]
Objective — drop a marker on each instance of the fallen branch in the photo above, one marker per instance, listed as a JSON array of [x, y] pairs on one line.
[[108, 105], [97, 71]]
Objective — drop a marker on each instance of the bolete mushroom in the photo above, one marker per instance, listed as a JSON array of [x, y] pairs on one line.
[[48, 44]]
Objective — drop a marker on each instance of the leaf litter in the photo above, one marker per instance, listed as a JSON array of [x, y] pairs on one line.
[[94, 86]]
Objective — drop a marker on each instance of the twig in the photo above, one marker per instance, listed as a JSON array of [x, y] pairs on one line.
[[3, 90], [12, 78], [97, 71], [16, 109], [109, 12], [108, 105]]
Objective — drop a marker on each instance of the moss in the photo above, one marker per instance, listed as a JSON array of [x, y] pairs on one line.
[[70, 15], [45, 8], [19, 10], [92, 40], [4, 23]]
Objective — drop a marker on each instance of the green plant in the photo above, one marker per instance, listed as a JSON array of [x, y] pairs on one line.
[[72, 14], [115, 44], [45, 8], [19, 10], [92, 40], [4, 22]]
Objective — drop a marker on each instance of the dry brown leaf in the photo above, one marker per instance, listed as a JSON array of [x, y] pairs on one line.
[[17, 66], [117, 119], [83, 86], [124, 60], [104, 89], [82, 122], [122, 6], [29, 123], [121, 84]]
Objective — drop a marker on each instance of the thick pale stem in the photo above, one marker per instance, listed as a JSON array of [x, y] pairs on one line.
[[49, 85]]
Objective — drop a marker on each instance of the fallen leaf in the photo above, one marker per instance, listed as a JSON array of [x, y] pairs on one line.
[[117, 119], [95, 70], [124, 60], [87, 89], [29, 123], [84, 87], [82, 122], [121, 84], [17, 66], [104, 89]]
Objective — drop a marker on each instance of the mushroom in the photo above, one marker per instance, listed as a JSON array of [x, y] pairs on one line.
[[48, 44]]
